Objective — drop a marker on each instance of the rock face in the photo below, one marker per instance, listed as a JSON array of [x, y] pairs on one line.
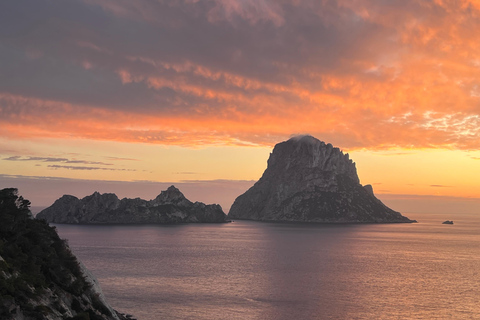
[[310, 181], [40, 278], [169, 206]]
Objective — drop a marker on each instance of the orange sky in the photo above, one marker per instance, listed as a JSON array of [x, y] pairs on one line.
[[202, 90]]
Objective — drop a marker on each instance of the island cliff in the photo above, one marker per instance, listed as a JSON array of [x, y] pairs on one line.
[[169, 206], [307, 180], [40, 278]]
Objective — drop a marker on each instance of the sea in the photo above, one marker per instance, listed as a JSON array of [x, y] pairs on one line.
[[275, 271]]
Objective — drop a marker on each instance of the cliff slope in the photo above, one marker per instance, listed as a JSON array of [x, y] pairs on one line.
[[170, 206], [310, 181], [40, 278]]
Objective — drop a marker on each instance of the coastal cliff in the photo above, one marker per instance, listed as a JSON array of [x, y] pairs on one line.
[[307, 180], [170, 206], [40, 278]]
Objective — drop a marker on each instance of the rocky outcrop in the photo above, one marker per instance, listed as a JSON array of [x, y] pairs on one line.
[[310, 181], [169, 206], [40, 278]]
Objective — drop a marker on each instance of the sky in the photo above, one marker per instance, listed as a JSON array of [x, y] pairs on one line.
[[131, 96]]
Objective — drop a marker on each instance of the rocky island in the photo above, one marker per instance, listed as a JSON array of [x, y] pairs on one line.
[[307, 180], [170, 206], [40, 278]]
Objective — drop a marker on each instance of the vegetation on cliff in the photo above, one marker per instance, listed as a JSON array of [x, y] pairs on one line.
[[40, 278]]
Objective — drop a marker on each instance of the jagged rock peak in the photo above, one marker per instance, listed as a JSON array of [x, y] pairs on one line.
[[98, 195], [306, 151], [172, 195]]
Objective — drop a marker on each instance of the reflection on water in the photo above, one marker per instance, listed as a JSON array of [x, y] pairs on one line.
[[249, 270]]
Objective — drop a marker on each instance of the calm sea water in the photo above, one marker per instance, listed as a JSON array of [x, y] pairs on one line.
[[251, 270]]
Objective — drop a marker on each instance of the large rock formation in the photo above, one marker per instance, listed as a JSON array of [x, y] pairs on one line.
[[169, 206], [310, 181], [40, 278]]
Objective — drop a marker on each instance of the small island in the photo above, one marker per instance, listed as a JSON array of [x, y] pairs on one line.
[[308, 180], [447, 222], [170, 206]]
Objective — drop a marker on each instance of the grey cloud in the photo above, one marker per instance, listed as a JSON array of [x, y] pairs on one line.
[[43, 159], [89, 162], [51, 159], [47, 55]]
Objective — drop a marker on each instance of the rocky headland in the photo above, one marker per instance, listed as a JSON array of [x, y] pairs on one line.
[[307, 180], [40, 278], [170, 206]]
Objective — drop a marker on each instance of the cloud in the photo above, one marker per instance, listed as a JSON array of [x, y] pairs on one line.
[[360, 74], [395, 154], [43, 159], [186, 172], [89, 162], [56, 166], [122, 159], [440, 186], [50, 159]]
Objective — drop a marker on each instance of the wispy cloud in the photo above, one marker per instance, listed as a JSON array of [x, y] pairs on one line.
[[440, 186], [121, 159], [52, 159], [395, 154], [42, 159], [186, 173], [56, 166]]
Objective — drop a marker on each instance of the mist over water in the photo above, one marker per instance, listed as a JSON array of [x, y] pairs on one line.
[[253, 270]]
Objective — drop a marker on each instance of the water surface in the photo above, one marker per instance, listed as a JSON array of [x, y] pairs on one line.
[[252, 270]]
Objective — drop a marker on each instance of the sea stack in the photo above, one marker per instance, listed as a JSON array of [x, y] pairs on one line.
[[170, 206], [307, 180]]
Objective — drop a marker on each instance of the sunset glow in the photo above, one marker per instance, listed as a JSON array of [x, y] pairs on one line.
[[175, 91]]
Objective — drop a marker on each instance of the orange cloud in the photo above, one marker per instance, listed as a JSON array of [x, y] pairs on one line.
[[361, 74]]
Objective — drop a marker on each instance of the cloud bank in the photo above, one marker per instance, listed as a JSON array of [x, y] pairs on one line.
[[374, 74]]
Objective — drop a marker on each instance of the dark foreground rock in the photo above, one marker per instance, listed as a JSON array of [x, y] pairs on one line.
[[307, 180], [40, 278], [169, 206]]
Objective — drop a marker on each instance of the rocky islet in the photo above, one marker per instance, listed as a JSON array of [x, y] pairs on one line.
[[307, 180], [170, 206]]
